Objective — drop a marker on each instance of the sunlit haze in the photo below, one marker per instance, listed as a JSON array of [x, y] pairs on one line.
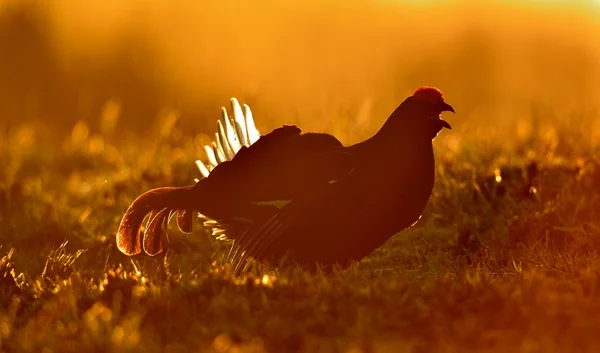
[[339, 66], [449, 200]]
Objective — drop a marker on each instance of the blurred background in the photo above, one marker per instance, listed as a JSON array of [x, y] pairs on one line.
[[338, 66]]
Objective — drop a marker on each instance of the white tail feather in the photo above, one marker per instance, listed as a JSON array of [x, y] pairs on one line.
[[224, 141], [251, 130], [231, 135], [220, 155], [203, 170], [240, 122], [232, 139], [212, 159]]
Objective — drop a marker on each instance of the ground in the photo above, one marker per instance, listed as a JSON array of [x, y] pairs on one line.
[[503, 260]]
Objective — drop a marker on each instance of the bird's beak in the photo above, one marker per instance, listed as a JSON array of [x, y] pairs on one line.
[[445, 107], [445, 124]]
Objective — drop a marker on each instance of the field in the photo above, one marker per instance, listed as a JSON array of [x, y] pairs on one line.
[[505, 258]]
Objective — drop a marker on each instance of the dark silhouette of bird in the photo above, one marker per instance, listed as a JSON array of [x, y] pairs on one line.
[[299, 196]]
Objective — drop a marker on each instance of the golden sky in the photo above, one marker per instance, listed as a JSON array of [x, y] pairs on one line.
[[315, 59]]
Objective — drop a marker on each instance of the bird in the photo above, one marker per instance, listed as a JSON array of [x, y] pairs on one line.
[[298, 196]]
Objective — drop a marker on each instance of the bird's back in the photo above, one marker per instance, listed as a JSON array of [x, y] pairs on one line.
[[270, 170]]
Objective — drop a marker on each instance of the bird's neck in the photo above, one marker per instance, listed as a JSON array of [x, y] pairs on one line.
[[396, 154], [395, 142]]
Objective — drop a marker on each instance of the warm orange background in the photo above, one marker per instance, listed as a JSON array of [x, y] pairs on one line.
[[339, 66]]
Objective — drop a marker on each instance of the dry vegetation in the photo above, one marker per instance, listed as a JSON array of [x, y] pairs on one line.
[[505, 258]]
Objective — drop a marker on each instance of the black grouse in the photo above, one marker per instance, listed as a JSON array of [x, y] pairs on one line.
[[300, 196]]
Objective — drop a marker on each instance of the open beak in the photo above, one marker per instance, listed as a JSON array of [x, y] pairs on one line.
[[445, 107]]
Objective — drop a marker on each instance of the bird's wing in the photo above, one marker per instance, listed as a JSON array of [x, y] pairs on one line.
[[333, 170], [271, 170]]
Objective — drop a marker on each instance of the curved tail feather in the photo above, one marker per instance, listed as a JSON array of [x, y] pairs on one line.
[[184, 220], [156, 229], [158, 204]]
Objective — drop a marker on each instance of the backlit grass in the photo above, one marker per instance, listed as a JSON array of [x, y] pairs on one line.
[[504, 259]]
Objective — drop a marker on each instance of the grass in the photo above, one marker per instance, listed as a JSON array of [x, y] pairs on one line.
[[505, 258]]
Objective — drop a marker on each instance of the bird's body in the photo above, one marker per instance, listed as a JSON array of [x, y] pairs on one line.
[[305, 197]]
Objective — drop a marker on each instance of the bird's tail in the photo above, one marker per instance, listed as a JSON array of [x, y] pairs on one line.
[[158, 206]]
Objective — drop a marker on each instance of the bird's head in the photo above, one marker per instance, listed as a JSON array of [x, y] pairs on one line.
[[419, 114], [429, 104]]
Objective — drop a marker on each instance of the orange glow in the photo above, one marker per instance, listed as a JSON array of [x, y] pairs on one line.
[[333, 65]]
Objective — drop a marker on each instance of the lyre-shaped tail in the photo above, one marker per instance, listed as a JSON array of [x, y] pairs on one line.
[[157, 206]]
